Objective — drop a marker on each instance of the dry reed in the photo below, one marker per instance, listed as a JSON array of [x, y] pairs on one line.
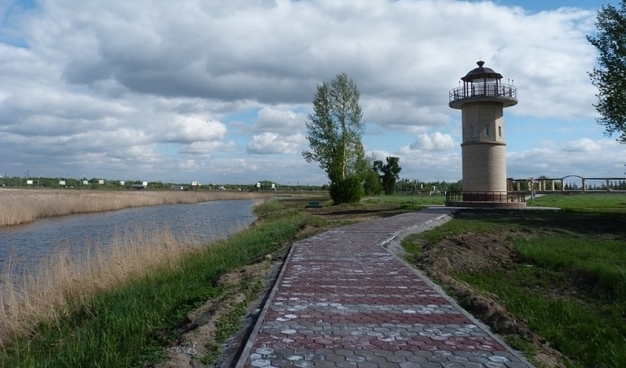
[[18, 206], [64, 279]]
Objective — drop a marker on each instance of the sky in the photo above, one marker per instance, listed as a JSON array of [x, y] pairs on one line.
[[220, 91]]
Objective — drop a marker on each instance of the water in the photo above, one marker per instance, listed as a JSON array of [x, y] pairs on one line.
[[205, 221]]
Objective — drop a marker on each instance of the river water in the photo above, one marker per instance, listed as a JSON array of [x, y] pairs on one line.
[[198, 223]]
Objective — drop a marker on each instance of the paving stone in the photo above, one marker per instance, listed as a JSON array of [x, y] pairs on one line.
[[495, 365], [343, 300], [355, 358], [260, 363], [378, 359], [335, 358], [388, 365], [410, 365], [431, 365], [367, 365], [303, 364], [479, 359], [516, 365], [281, 363], [396, 359], [402, 353], [384, 353], [345, 364], [417, 359], [458, 359], [452, 365], [325, 364]]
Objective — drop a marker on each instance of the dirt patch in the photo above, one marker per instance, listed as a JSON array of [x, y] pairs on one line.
[[198, 329], [472, 253]]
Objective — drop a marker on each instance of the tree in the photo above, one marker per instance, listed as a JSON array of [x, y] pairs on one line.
[[371, 180], [388, 173], [334, 132], [610, 76]]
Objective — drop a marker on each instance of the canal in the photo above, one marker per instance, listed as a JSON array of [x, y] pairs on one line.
[[196, 223]]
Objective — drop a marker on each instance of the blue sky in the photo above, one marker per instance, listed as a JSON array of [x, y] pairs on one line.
[[220, 92]]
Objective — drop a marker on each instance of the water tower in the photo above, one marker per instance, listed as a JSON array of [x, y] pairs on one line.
[[482, 98]]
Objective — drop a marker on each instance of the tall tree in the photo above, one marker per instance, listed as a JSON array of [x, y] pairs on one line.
[[334, 132], [610, 76], [388, 173]]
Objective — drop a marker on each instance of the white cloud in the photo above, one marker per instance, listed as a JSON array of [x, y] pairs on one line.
[[402, 115], [266, 143], [135, 88], [208, 147], [584, 145], [271, 120], [434, 142], [192, 129], [584, 157]]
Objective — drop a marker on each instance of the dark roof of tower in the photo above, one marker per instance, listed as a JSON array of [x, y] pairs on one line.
[[480, 73]]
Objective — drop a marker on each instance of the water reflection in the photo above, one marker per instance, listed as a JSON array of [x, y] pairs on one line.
[[199, 223]]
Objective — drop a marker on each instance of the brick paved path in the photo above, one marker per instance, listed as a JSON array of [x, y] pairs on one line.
[[344, 300]]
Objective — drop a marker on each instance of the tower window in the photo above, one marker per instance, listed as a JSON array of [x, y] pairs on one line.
[[487, 130], [472, 131], [499, 131]]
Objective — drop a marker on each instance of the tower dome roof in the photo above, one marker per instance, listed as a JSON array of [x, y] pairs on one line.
[[481, 73]]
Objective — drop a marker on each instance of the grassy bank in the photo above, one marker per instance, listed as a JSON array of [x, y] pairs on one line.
[[127, 319], [415, 201], [26, 205], [567, 278]]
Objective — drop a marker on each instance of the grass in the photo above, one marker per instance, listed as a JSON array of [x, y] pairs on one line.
[[569, 285], [128, 322], [414, 201], [230, 323], [583, 202], [21, 206]]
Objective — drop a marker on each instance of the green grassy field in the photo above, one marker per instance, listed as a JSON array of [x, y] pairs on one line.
[[415, 201], [583, 202], [569, 283]]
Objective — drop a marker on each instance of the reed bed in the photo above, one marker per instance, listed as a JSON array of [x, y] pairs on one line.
[[19, 206], [65, 280], [119, 306]]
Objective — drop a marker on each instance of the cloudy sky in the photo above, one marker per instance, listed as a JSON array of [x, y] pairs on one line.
[[219, 91]]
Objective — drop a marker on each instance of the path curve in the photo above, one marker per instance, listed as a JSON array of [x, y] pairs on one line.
[[344, 300]]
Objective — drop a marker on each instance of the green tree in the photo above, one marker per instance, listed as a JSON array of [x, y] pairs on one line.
[[388, 173], [371, 180], [610, 76], [334, 132]]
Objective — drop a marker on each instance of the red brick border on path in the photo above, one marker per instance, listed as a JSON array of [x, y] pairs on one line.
[[344, 300]]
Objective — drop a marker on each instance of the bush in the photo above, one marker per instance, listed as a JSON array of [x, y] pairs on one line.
[[348, 190]]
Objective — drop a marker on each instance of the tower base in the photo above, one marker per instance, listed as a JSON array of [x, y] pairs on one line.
[[509, 200]]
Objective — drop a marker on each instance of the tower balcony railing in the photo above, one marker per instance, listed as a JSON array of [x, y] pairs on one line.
[[483, 90]]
